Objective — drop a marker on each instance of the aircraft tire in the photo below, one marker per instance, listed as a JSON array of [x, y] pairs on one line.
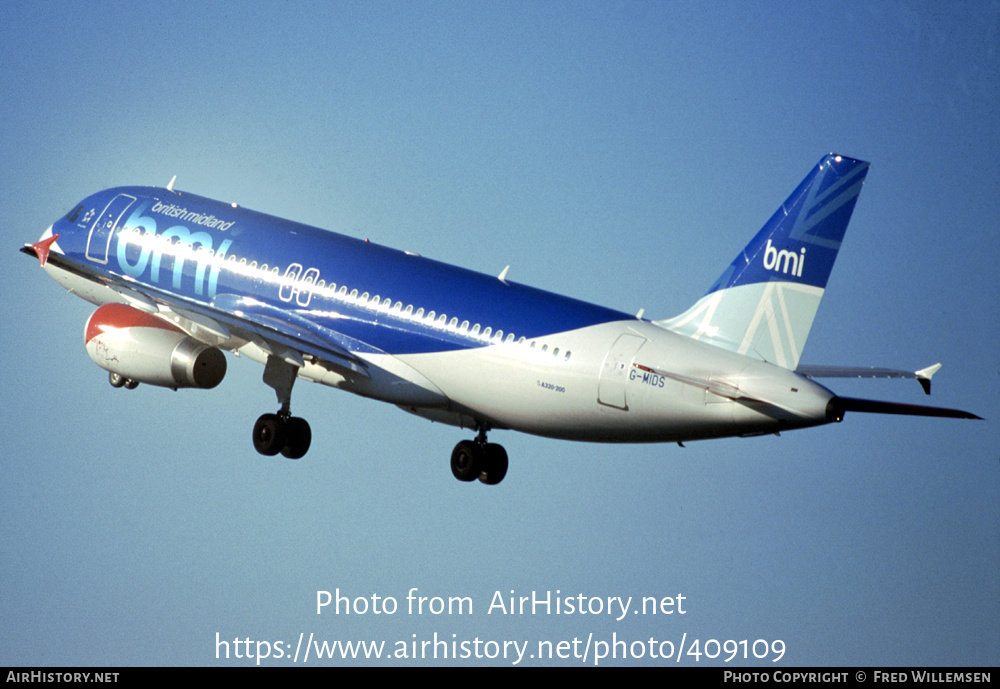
[[269, 435], [298, 437], [117, 380], [494, 465], [466, 461]]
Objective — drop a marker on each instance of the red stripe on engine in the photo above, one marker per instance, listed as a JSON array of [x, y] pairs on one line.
[[117, 316]]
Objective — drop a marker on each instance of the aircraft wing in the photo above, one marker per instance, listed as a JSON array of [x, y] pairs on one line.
[[292, 330], [233, 320]]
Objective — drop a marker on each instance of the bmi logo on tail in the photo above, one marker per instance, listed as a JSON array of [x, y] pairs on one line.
[[786, 259]]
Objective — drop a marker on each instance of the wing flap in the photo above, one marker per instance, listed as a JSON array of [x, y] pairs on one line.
[[295, 332]]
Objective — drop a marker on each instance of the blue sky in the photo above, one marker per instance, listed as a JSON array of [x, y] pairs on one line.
[[617, 152]]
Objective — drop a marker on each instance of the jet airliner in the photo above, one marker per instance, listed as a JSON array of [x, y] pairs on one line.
[[180, 279]]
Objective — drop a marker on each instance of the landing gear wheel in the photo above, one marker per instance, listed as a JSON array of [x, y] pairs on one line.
[[117, 380], [298, 436], [269, 435], [466, 461], [494, 466]]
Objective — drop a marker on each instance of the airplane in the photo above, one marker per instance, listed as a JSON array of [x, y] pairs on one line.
[[180, 279]]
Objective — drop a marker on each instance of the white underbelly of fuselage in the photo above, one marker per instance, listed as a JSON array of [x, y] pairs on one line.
[[570, 386]]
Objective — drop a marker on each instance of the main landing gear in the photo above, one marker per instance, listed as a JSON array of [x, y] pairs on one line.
[[281, 432], [472, 459]]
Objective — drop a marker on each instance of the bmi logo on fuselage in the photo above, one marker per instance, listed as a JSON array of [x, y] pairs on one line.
[[139, 247]]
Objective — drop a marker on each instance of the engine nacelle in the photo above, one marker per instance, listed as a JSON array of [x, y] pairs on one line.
[[146, 349]]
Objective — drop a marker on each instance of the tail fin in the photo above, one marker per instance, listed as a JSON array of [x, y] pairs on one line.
[[764, 304]]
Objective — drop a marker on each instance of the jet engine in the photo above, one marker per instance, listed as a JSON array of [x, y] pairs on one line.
[[138, 347]]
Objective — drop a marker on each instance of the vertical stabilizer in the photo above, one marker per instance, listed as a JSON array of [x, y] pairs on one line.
[[764, 304]]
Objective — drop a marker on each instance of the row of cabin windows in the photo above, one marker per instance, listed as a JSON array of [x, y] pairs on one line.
[[386, 305], [441, 321]]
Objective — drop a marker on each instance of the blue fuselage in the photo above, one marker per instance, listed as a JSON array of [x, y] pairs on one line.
[[205, 251]]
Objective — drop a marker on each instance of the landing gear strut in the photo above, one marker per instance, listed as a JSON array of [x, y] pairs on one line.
[[281, 432], [472, 459]]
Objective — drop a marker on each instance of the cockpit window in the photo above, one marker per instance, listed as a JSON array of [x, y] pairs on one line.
[[74, 214]]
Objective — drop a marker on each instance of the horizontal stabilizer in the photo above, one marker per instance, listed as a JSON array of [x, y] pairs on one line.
[[922, 376], [839, 405]]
